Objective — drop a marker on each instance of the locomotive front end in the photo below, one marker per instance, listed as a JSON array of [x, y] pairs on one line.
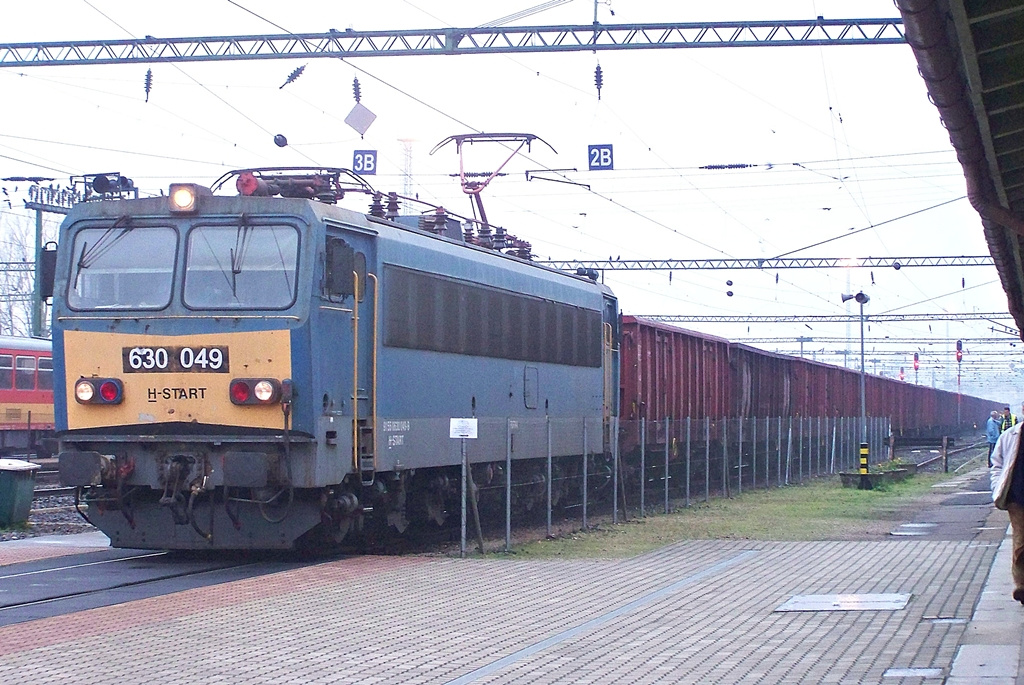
[[175, 328]]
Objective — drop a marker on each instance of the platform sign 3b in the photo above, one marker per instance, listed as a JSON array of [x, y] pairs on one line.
[[364, 162], [600, 157]]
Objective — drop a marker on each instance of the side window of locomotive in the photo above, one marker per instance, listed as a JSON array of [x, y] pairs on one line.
[[25, 373], [241, 267], [343, 270], [6, 371], [122, 268], [44, 379]]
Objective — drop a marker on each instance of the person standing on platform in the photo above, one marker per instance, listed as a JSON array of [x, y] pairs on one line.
[[1006, 478], [993, 427], [1008, 420]]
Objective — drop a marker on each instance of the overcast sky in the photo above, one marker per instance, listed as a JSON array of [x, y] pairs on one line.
[[841, 138]]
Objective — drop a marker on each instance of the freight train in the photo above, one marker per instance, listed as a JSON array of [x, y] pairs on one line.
[[672, 372], [267, 369]]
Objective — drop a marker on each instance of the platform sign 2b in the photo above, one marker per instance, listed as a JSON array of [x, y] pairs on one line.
[[364, 162], [600, 157]]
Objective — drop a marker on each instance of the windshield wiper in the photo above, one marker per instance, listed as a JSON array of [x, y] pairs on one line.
[[238, 251], [106, 241]]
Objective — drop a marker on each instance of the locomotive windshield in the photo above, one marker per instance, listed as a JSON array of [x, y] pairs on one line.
[[241, 267], [122, 268]]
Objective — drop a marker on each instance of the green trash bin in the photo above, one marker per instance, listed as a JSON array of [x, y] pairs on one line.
[[17, 480]]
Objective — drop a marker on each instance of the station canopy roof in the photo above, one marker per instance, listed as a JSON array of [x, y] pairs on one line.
[[971, 55]]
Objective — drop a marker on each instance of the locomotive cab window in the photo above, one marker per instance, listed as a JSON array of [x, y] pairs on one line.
[[345, 268], [25, 373], [121, 267], [6, 371], [241, 267]]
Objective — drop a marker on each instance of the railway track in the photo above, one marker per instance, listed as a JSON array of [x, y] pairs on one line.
[[47, 484], [62, 585]]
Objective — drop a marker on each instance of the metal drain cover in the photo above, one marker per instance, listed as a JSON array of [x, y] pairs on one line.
[[882, 602], [913, 673]]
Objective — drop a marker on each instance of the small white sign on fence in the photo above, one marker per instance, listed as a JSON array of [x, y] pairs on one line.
[[462, 428]]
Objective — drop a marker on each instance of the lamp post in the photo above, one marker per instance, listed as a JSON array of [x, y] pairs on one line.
[[865, 482]]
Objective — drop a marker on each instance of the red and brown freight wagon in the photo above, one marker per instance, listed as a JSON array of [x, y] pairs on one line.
[[671, 372]]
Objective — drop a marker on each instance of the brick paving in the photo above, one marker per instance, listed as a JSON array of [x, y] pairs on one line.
[[388, 620], [692, 612]]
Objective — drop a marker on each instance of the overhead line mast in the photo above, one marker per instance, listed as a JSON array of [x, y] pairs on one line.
[[457, 41]]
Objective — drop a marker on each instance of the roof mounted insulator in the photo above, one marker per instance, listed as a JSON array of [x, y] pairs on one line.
[[500, 240], [393, 205], [439, 222], [376, 208], [483, 237], [467, 233]]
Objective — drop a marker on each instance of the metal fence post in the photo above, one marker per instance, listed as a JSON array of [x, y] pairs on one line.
[[800, 456], [817, 448], [725, 456], [832, 466], [508, 485], [753, 454], [615, 468], [586, 449], [778, 473], [739, 463], [668, 439], [707, 459], [687, 461], [547, 423], [789, 450], [462, 523], [643, 464]]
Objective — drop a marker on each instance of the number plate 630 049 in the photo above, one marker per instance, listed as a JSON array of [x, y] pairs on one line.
[[202, 359]]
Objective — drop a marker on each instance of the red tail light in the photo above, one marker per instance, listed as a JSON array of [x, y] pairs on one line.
[[240, 392]]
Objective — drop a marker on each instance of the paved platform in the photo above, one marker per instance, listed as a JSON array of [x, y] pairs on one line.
[[692, 612]]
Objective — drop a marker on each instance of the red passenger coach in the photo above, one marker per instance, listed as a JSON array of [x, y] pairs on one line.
[[26, 396], [675, 373]]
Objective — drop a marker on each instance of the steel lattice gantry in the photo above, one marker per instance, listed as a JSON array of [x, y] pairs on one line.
[[826, 318], [766, 263], [457, 41]]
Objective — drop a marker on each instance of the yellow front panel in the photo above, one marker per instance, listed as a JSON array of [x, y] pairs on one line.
[[195, 396]]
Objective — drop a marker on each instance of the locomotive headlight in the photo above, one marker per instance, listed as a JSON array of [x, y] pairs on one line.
[[264, 391], [84, 391], [184, 197]]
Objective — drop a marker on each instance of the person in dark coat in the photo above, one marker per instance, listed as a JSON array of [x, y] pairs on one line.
[[1006, 479]]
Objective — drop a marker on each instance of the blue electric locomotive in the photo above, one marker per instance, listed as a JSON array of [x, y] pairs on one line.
[[267, 368]]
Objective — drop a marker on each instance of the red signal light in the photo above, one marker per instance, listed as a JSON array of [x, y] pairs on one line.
[[917, 364], [108, 391], [902, 376], [240, 392], [959, 355], [247, 183]]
